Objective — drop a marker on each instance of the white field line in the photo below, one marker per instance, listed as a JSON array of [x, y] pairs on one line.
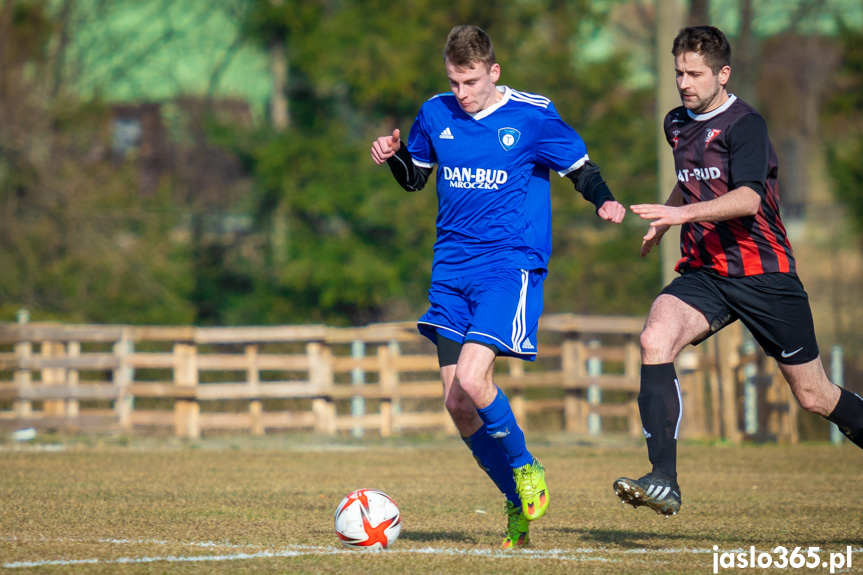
[[581, 554], [297, 551]]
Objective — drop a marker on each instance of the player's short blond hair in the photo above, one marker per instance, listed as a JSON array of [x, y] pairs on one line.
[[468, 45]]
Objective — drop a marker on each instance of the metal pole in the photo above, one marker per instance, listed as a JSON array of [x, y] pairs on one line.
[[750, 390], [358, 377], [594, 393], [836, 436]]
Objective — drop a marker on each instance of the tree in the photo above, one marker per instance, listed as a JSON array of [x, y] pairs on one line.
[[843, 115], [76, 241]]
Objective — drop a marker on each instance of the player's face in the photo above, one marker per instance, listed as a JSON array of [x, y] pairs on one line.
[[474, 88], [700, 89]]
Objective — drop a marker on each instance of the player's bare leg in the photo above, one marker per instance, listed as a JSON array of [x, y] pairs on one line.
[[474, 376], [816, 393], [489, 455], [671, 325], [810, 386]]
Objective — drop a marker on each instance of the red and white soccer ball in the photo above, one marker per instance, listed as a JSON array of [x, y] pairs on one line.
[[368, 519]]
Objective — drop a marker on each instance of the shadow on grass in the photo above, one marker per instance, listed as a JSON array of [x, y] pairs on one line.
[[622, 538], [426, 536], [629, 539]]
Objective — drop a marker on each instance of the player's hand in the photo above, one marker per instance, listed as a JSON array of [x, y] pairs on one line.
[[611, 211], [386, 147], [661, 214], [652, 238]]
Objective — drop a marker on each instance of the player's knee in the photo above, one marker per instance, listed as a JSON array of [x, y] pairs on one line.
[[459, 406], [470, 383], [655, 346]]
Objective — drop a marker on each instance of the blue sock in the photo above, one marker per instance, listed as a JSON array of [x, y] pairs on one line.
[[500, 421], [493, 460]]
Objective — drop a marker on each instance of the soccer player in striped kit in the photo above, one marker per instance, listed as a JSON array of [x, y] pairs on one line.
[[494, 147], [736, 263]]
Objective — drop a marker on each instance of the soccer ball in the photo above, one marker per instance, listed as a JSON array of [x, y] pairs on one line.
[[368, 519]]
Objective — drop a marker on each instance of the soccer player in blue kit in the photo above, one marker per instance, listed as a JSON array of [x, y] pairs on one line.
[[494, 147]]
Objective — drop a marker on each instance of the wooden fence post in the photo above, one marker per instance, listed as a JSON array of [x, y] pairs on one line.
[[253, 380], [632, 369], [712, 355], [516, 395], [396, 409], [574, 403], [23, 379], [321, 376], [123, 378], [389, 381], [186, 409], [53, 376], [690, 369], [727, 362], [777, 405]]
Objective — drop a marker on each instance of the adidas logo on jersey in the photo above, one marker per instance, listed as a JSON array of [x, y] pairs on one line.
[[446, 134], [527, 344]]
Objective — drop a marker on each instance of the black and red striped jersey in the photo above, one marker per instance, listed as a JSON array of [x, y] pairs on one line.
[[717, 152]]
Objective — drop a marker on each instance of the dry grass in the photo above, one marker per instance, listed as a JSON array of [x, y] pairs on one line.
[[147, 506]]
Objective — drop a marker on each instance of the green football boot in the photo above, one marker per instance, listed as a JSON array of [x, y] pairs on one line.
[[530, 485], [517, 527]]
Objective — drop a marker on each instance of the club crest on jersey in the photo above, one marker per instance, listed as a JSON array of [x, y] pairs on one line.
[[508, 137], [711, 133]]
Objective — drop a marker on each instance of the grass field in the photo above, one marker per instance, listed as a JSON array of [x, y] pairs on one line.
[[265, 505]]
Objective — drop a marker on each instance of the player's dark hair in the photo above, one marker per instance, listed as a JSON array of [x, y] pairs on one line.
[[708, 41], [468, 45]]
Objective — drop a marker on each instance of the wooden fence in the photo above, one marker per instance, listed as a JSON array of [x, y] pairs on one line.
[[380, 379]]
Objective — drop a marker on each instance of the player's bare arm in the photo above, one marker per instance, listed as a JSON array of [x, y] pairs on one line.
[[740, 202]]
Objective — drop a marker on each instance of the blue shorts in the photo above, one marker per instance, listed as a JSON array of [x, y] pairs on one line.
[[499, 308]]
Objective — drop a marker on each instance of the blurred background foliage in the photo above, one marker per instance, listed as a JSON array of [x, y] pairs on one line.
[[208, 162]]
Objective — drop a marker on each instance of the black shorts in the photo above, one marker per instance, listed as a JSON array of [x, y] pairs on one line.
[[773, 307]]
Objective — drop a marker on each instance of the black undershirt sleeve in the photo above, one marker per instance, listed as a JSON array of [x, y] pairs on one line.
[[589, 183], [749, 152], [409, 176]]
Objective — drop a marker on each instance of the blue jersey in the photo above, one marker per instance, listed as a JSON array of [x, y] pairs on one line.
[[494, 204]]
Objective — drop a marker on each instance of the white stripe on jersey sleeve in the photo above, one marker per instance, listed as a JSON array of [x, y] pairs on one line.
[[575, 166]]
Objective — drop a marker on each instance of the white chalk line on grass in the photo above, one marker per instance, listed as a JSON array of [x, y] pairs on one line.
[[581, 554], [584, 555], [491, 554], [113, 541]]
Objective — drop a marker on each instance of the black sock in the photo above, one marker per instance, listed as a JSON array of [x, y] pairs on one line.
[[848, 416], [660, 409]]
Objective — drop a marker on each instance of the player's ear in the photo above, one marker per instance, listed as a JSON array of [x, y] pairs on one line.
[[724, 75], [494, 72]]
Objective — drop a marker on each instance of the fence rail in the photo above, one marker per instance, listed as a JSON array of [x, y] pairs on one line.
[[381, 378]]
